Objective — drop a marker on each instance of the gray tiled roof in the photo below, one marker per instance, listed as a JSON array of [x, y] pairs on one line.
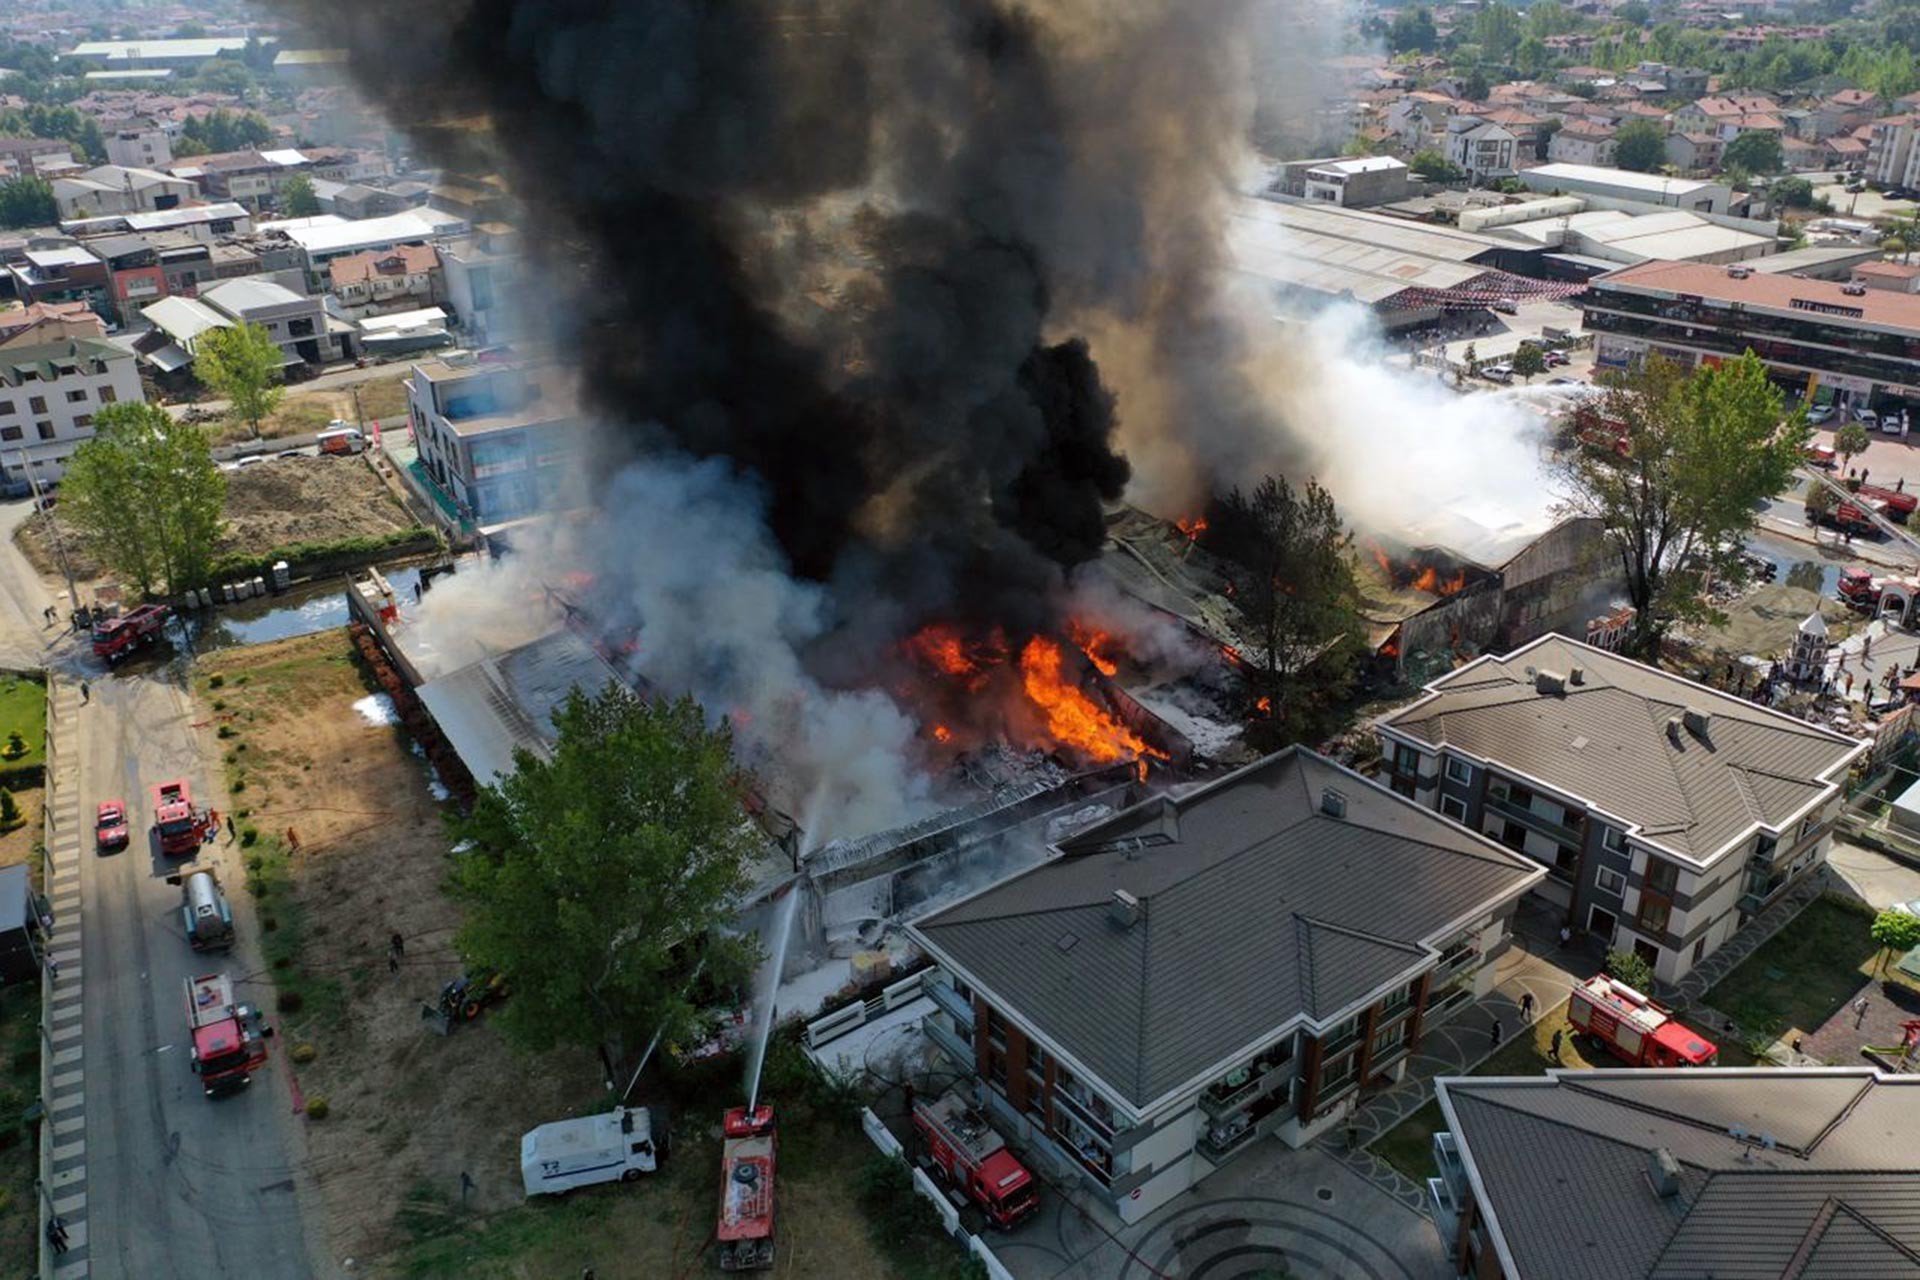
[[1256, 909], [1605, 740], [1561, 1165]]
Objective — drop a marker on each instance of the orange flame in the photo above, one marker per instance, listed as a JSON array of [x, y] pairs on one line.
[[1192, 526], [942, 734], [1093, 643], [940, 646], [1263, 705], [1380, 558], [1072, 717]]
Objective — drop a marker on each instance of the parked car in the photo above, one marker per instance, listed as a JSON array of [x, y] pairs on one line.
[[1563, 382], [291, 453], [1498, 372], [1863, 414], [1889, 424], [1911, 907], [1820, 413], [1555, 359]]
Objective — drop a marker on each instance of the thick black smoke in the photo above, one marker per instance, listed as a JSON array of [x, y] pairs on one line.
[[807, 238]]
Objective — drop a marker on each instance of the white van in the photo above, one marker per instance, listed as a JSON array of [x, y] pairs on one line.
[[579, 1153]]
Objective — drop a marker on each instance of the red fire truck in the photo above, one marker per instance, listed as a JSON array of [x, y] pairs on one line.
[[1859, 588], [1634, 1028], [116, 637], [746, 1190], [229, 1043], [181, 827], [972, 1158], [1896, 504]]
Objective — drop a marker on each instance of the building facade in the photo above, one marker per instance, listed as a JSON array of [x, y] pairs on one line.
[[139, 146], [1192, 975], [1667, 814], [1484, 151], [48, 396], [1861, 344], [499, 441]]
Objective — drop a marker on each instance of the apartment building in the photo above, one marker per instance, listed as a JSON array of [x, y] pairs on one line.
[[1663, 1174], [1196, 973], [1892, 158], [499, 441], [1854, 342], [401, 278], [1582, 143], [48, 396], [111, 188], [1484, 150], [142, 145], [1666, 813]]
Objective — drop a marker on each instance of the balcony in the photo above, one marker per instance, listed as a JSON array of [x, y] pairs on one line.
[[1446, 1160], [1558, 832], [1218, 1100], [1222, 1140], [1089, 1111], [1446, 1213], [1454, 961], [936, 1030], [951, 1002]]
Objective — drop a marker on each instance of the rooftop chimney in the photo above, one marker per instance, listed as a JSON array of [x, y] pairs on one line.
[[1664, 1172], [1124, 909], [1333, 804], [1549, 681], [1576, 675], [1697, 722], [1673, 730]]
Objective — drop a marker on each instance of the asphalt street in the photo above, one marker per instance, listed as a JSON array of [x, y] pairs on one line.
[[177, 1185]]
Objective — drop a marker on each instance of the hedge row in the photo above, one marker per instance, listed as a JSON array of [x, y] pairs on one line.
[[308, 558]]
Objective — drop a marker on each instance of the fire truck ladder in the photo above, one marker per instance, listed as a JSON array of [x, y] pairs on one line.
[[1906, 541]]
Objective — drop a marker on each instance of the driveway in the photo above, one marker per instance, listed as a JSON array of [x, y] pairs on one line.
[[1871, 876]]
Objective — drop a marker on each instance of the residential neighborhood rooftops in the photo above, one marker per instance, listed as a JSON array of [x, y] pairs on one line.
[[1565, 1171], [1254, 906], [46, 360], [183, 319], [1617, 738], [409, 224], [111, 51], [403, 259], [249, 293]]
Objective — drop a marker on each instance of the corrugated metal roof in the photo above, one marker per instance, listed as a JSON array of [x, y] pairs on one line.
[[493, 707], [1256, 910], [1693, 796], [1561, 1164]]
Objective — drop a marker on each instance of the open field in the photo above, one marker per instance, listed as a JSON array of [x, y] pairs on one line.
[[19, 1150], [305, 412], [1802, 975], [276, 503], [410, 1111], [23, 710]]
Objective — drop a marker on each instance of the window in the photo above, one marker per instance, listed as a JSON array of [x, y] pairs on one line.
[[83, 420], [10, 433], [1806, 827], [1514, 836], [1566, 862], [1612, 840], [108, 395], [1699, 949], [1335, 1074], [45, 429], [1662, 877], [1654, 914], [77, 397], [37, 403], [1405, 759], [1459, 771], [1607, 880], [1386, 1041], [1454, 807], [6, 406]]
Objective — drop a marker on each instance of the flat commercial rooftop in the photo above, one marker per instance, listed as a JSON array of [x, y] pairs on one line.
[[1337, 251]]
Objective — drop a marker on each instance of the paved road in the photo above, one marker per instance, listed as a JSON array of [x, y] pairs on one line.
[[175, 1184]]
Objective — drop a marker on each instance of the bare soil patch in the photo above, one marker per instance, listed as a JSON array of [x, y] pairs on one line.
[[304, 412], [274, 503], [16, 846], [410, 1111]]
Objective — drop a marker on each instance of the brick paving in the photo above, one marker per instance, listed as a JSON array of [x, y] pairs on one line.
[[1840, 1038]]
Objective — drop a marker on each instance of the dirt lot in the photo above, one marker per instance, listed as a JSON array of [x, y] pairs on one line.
[[273, 503], [303, 412], [410, 1111]]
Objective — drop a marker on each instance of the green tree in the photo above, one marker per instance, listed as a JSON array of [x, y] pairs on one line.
[[1497, 29], [1630, 968], [1434, 167], [1529, 360], [1850, 442], [242, 365], [1820, 502], [1903, 236], [1755, 152], [1296, 596], [298, 200], [190, 31], [1793, 193], [224, 75], [1532, 57], [1634, 13], [1640, 145], [1551, 18], [1471, 358], [146, 495], [9, 810], [1475, 87], [597, 878], [1704, 450], [1413, 31], [1894, 931], [27, 202]]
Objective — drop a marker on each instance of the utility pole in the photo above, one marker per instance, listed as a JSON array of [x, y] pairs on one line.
[[53, 528]]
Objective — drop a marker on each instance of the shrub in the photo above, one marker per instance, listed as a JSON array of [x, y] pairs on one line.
[[317, 1107], [248, 836], [303, 1053], [1631, 969], [219, 704], [215, 681], [242, 678], [288, 1002], [237, 786], [268, 924], [255, 862], [9, 809], [16, 746], [224, 731], [26, 1062]]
